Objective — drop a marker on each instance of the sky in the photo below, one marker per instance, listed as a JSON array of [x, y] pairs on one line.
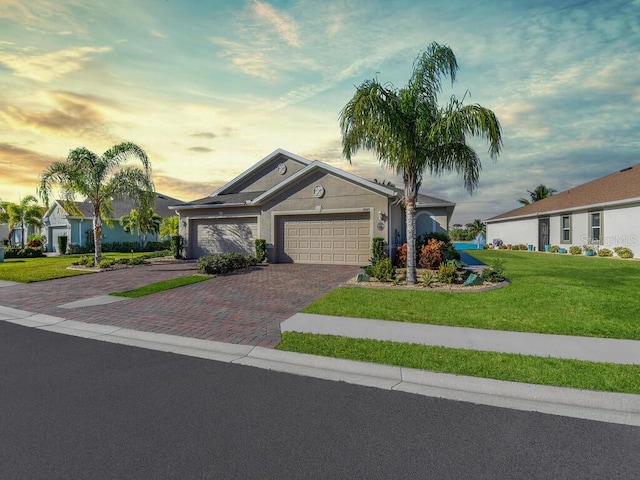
[[208, 88]]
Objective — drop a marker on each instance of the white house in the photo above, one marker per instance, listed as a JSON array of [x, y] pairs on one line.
[[604, 212]]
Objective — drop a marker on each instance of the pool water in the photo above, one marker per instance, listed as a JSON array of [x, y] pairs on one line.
[[467, 246]]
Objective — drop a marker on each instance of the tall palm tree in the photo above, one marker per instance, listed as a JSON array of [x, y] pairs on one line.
[[538, 193], [25, 214], [101, 179], [412, 134]]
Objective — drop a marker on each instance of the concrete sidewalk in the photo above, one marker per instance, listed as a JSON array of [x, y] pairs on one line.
[[592, 405], [542, 345]]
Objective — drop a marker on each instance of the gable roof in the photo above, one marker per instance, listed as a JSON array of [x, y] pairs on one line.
[[425, 201], [124, 207], [617, 188]]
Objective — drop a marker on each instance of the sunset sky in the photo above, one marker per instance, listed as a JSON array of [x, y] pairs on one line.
[[208, 88]]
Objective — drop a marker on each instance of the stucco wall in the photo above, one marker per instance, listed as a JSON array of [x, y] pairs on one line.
[[514, 232], [268, 176]]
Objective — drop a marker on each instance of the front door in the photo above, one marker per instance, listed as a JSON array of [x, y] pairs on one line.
[[543, 233]]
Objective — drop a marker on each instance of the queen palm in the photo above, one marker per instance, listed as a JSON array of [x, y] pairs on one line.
[[538, 193], [143, 222], [25, 214], [475, 228], [101, 179], [412, 134]]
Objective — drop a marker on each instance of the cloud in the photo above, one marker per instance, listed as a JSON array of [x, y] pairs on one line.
[[20, 169], [155, 33], [47, 67], [204, 135], [183, 189], [282, 23], [200, 149]]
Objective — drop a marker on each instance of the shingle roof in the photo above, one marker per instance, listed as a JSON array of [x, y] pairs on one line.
[[224, 199], [424, 200], [616, 187], [124, 207]]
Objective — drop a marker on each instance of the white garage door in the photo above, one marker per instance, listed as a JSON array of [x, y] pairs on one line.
[[54, 233], [223, 235], [332, 238]]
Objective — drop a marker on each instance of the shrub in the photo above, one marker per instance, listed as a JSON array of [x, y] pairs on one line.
[[520, 246], [106, 263], [432, 254], [84, 261], [450, 253], [384, 270], [35, 243], [138, 260], [261, 249], [448, 272], [575, 250], [5, 242], [502, 247], [62, 244], [605, 252], [401, 256], [223, 263], [494, 273], [176, 246], [377, 249], [157, 254], [74, 248], [442, 237], [623, 252], [554, 249], [428, 278]]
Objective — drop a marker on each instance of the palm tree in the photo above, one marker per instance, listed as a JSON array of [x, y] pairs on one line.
[[169, 226], [101, 178], [143, 222], [477, 227], [411, 134], [25, 214], [540, 192]]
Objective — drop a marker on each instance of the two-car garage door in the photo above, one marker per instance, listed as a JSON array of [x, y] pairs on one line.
[[325, 238]]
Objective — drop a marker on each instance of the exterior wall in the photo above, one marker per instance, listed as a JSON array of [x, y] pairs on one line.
[[514, 232], [397, 232], [621, 228], [438, 220], [268, 176]]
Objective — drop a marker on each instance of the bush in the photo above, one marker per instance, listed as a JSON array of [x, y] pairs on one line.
[[431, 254], [448, 272], [84, 261], [623, 252], [107, 263], [428, 278], [17, 252], [384, 270], [157, 254], [62, 244], [377, 250], [138, 260], [605, 252], [575, 250], [176, 246], [223, 263], [442, 237], [495, 273], [261, 249], [401, 256], [554, 249]]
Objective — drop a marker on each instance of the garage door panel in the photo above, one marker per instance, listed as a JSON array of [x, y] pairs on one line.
[[325, 238], [224, 235]]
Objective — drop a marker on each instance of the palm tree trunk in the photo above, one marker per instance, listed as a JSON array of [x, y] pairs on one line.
[[410, 218], [97, 236]]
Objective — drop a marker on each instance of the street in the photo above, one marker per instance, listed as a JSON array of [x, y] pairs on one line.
[[73, 408]]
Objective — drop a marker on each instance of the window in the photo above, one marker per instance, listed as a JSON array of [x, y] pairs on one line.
[[595, 225], [565, 235]]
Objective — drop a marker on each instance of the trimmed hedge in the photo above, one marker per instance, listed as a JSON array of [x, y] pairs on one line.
[[223, 263]]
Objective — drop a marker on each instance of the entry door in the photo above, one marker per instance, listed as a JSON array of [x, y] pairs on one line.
[[543, 233]]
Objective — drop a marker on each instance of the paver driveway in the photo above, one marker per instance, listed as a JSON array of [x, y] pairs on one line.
[[244, 308]]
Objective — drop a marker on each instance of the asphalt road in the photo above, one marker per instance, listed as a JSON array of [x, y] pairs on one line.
[[72, 408]]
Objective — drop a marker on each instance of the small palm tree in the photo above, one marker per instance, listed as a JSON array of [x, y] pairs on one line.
[[477, 227], [25, 214], [169, 227], [538, 193], [413, 135], [100, 178], [142, 222]]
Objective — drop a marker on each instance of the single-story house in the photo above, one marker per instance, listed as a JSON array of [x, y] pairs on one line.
[[79, 228], [307, 211], [604, 212]]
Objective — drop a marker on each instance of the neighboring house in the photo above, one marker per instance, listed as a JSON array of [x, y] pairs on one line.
[[307, 211], [603, 212], [4, 232], [79, 228]]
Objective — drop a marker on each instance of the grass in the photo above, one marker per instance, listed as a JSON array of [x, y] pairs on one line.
[[549, 293], [161, 286], [27, 270], [502, 366]]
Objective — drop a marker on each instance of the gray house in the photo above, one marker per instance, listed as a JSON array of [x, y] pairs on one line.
[[307, 211], [79, 228]]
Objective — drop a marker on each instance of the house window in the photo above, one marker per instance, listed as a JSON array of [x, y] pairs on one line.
[[595, 225], [565, 235]]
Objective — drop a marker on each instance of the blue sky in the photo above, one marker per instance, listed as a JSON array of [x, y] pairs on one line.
[[209, 88]]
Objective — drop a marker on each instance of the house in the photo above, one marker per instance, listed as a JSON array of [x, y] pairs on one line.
[[307, 211], [79, 228], [604, 212]]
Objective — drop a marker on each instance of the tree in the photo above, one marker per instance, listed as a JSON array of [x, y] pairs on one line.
[[477, 227], [25, 214], [101, 178], [540, 192], [170, 227], [412, 135], [142, 222]]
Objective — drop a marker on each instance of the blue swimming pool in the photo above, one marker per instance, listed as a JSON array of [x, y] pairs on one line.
[[468, 245]]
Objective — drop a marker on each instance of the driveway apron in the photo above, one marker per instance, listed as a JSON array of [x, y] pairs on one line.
[[244, 308]]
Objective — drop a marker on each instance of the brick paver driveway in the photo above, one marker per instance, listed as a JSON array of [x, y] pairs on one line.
[[244, 308]]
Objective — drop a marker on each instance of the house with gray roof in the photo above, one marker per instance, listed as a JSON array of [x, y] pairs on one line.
[[78, 228], [307, 211], [604, 212]]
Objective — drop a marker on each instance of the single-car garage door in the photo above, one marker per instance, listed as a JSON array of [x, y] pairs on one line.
[[54, 234], [325, 238], [223, 235]]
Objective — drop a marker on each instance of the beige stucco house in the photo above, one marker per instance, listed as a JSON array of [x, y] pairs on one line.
[[307, 211]]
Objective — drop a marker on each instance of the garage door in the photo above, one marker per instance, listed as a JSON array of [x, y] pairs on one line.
[[331, 238], [223, 235], [54, 233]]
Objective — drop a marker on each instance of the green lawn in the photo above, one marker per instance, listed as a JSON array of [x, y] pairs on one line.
[[549, 293], [161, 286], [502, 366], [27, 270]]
